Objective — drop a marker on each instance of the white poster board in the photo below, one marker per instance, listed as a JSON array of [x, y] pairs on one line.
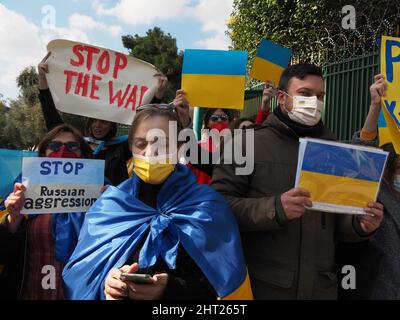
[[98, 83], [341, 178], [55, 185]]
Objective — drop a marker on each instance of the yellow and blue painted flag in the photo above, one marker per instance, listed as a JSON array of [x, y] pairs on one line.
[[270, 61], [390, 67], [214, 78], [340, 177]]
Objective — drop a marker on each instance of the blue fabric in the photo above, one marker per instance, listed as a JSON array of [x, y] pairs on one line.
[[10, 166], [65, 230], [102, 144], [187, 214]]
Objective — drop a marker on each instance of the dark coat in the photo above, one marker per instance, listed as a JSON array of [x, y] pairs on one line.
[[377, 261], [286, 259], [12, 257]]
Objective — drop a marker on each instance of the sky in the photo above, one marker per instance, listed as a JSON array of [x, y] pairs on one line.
[[26, 26]]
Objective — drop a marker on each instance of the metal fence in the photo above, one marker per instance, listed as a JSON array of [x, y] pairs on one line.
[[347, 94]]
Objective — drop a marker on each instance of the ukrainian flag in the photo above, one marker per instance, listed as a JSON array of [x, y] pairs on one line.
[[340, 174], [214, 78], [390, 67], [270, 61]]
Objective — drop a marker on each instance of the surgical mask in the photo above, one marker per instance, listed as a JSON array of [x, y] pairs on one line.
[[306, 110], [396, 182], [153, 170]]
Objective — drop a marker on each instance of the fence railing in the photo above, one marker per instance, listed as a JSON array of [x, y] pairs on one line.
[[347, 94]]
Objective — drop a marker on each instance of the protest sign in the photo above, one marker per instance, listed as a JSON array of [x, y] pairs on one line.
[[270, 61], [341, 178], [390, 67], [99, 83], [10, 168], [55, 185], [214, 78]]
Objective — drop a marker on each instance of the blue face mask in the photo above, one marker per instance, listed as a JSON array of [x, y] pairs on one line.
[[396, 182]]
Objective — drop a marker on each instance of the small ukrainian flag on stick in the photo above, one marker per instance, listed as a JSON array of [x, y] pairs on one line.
[[270, 61]]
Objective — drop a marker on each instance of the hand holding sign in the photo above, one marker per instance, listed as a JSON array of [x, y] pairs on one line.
[[373, 217], [14, 204], [378, 90], [61, 185], [43, 68], [98, 83]]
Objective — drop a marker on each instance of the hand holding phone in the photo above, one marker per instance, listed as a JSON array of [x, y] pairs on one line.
[[137, 278]]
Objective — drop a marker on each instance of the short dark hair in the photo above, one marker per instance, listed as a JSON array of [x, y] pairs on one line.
[[299, 71], [85, 148], [210, 112]]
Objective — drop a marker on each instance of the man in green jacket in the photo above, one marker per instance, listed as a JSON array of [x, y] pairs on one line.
[[289, 250]]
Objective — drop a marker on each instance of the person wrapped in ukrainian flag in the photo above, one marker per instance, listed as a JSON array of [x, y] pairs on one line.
[[160, 223]]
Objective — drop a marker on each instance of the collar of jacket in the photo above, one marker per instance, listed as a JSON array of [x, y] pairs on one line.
[[283, 123]]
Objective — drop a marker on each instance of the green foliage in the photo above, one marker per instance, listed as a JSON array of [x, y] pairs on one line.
[[22, 126], [299, 25], [159, 49], [288, 22], [27, 82]]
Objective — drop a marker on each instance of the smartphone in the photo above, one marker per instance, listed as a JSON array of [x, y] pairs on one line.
[[137, 278]]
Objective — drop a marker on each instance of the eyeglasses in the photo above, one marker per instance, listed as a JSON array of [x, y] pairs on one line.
[[161, 106], [216, 117], [71, 146]]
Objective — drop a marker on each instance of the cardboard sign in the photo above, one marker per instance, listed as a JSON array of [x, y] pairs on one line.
[[270, 61], [341, 178], [214, 78], [55, 185], [389, 130], [98, 83]]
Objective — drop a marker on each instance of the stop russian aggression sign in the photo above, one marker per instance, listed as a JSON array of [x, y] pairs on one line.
[[98, 83]]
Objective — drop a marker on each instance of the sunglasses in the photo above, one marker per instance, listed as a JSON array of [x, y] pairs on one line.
[[71, 146], [160, 106], [216, 117]]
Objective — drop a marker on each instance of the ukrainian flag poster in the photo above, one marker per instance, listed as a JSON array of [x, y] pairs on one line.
[[341, 178], [214, 78]]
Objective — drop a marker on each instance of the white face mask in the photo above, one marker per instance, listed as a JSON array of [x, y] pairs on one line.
[[306, 110]]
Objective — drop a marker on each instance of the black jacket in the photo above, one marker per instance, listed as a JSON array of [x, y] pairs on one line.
[[12, 257], [115, 156]]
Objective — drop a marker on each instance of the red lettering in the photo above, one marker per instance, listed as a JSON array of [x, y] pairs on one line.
[[90, 50], [120, 63], [77, 50], [105, 57], [94, 87], [82, 83], [132, 98], [143, 90], [70, 74], [118, 94]]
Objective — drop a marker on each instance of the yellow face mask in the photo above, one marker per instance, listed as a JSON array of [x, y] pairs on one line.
[[152, 170]]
